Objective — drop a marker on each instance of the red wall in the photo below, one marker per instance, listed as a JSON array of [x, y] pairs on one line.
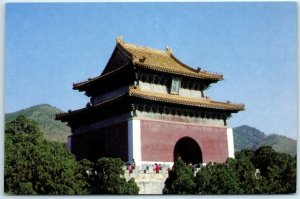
[[110, 141], [158, 140]]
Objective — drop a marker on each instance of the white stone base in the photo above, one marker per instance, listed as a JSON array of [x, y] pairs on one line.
[[149, 183]]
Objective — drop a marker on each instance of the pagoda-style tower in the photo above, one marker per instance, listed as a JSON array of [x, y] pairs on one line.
[[149, 106]]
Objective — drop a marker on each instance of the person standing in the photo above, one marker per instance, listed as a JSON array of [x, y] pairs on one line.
[[129, 168], [133, 164], [156, 168]]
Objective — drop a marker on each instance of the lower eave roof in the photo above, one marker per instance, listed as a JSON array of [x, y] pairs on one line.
[[176, 99], [81, 85], [157, 97]]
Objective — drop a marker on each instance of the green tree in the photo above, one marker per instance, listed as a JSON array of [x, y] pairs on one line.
[[107, 177], [278, 170], [217, 179], [289, 177], [23, 129], [239, 175], [36, 166], [181, 180], [245, 172], [84, 169]]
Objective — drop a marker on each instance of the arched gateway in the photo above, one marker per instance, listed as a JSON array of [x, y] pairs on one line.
[[188, 150], [148, 106]]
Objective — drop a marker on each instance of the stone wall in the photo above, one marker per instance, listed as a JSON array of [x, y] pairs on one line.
[[149, 182]]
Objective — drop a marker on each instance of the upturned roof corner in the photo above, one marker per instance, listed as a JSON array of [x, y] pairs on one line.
[[169, 50]]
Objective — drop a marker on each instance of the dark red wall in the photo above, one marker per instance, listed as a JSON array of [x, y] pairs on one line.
[[158, 140], [109, 141]]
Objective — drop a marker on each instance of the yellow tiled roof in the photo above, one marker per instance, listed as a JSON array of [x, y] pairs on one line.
[[167, 98], [61, 116], [164, 61], [157, 60], [176, 99], [90, 80]]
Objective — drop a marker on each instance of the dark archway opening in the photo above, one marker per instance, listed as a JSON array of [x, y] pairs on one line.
[[188, 150]]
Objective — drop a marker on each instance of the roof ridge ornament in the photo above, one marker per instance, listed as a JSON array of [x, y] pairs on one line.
[[120, 39], [169, 50]]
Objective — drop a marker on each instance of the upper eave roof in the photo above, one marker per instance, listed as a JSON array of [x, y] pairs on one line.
[[163, 61], [153, 59]]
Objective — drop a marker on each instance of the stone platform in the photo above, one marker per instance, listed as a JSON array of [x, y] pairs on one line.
[[149, 182]]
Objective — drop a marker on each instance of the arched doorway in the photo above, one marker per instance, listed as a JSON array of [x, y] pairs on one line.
[[188, 150]]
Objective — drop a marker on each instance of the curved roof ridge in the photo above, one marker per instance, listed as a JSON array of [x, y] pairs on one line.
[[204, 72], [183, 64], [143, 48]]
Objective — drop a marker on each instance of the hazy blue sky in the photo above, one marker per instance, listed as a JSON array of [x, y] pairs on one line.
[[254, 45]]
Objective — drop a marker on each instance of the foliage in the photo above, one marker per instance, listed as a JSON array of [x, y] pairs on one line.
[[245, 171], [108, 178], [84, 169], [22, 128], [239, 175], [44, 116], [263, 171], [217, 179], [36, 166], [181, 180], [278, 170]]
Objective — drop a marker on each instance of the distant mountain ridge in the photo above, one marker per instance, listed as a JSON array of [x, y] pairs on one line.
[[245, 137], [44, 116]]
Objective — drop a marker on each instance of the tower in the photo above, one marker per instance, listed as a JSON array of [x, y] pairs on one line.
[[149, 106]]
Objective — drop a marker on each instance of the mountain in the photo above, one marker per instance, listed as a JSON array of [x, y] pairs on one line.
[[246, 137], [44, 116], [281, 143]]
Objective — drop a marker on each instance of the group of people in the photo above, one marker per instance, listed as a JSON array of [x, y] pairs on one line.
[[157, 167], [131, 167]]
